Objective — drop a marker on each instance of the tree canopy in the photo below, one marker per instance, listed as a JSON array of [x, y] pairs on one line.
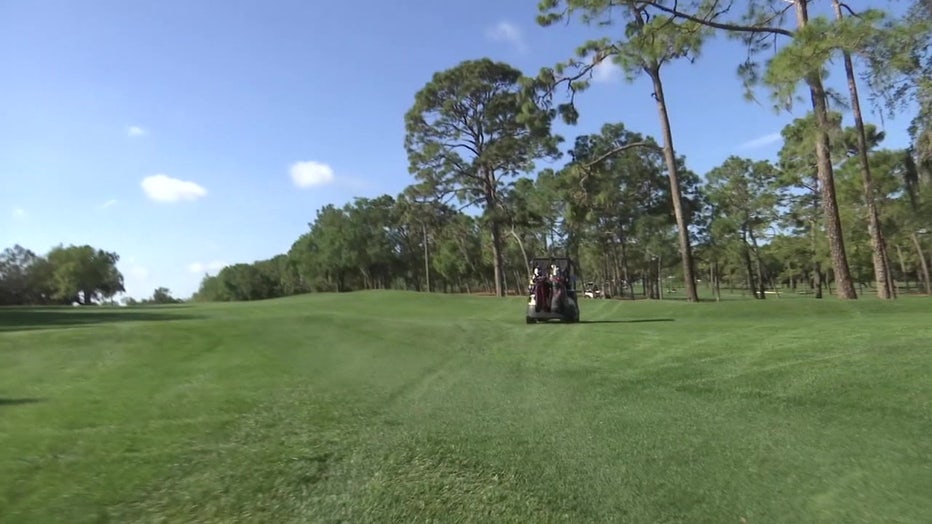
[[65, 275], [469, 131]]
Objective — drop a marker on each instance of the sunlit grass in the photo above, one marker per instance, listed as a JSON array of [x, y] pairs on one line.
[[390, 406]]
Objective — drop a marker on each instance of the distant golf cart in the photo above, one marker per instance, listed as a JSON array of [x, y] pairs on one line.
[[552, 290], [592, 291]]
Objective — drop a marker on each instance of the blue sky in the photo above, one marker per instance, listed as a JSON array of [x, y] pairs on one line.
[[186, 135]]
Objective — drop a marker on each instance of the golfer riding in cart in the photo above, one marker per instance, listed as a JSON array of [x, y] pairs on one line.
[[552, 290]]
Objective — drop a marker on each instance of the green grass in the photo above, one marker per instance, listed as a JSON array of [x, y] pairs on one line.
[[399, 407]]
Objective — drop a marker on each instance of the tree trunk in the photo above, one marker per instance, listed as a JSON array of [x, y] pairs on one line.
[[899, 254], [617, 287], [527, 261], [499, 261], [626, 275], [748, 270], [761, 276], [833, 227], [746, 256], [817, 278], [426, 257], [669, 155], [882, 274], [922, 263], [660, 277], [716, 281], [816, 265]]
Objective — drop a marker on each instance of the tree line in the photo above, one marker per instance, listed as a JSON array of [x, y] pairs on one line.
[[836, 210], [756, 226], [65, 275]]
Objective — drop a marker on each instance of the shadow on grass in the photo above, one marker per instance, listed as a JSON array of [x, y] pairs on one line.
[[19, 401], [31, 319], [632, 321]]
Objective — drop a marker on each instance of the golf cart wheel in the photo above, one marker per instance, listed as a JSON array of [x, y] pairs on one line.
[[530, 320]]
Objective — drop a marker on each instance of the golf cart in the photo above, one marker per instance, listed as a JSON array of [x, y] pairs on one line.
[[592, 291], [552, 290]]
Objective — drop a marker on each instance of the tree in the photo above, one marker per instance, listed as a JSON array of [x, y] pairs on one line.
[[245, 282], [549, 203], [163, 295], [745, 197], [521, 216], [612, 190], [802, 59], [40, 282], [211, 290], [420, 213], [899, 72], [793, 254], [799, 170], [469, 130], [16, 264], [322, 255], [457, 252], [283, 275], [25, 278], [85, 274], [651, 41], [881, 261], [919, 194], [370, 239]]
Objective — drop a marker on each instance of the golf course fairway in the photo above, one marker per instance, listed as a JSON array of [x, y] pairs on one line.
[[390, 406]]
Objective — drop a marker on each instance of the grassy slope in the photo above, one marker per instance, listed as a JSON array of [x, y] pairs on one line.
[[393, 406]]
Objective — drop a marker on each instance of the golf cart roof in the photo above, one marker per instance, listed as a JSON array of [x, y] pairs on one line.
[[562, 262], [553, 260]]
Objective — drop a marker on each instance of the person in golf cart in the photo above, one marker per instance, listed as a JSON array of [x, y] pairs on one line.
[[549, 289], [540, 287], [558, 279]]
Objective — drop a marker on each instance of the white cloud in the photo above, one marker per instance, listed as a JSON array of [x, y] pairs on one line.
[[507, 32], [762, 141], [163, 188], [19, 213], [605, 71], [109, 203], [135, 131], [198, 267], [311, 173]]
